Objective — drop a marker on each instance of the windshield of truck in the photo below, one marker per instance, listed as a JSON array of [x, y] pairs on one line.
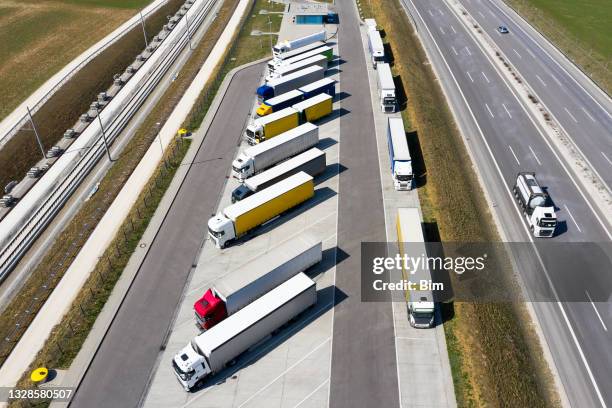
[[548, 222], [422, 315], [389, 101], [379, 58], [215, 234], [237, 169], [404, 177], [250, 133], [185, 375]]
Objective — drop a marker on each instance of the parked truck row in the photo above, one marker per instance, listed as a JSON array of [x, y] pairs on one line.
[[325, 85]]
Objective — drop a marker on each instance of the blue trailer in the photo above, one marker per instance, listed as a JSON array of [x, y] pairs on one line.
[[300, 78], [399, 155], [325, 85], [280, 102]]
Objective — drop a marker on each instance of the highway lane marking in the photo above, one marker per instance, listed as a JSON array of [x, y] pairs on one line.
[[490, 112], [596, 311], [507, 111], [453, 28], [481, 15], [572, 217], [492, 13], [442, 30], [516, 52], [311, 393], [515, 158], [535, 156], [588, 114], [485, 77], [454, 50], [540, 79], [468, 74], [430, 13], [606, 157], [441, 12], [570, 114], [530, 53], [468, 50], [518, 213]]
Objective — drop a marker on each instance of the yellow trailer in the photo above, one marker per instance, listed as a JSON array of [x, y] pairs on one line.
[[238, 219], [272, 125], [314, 108]]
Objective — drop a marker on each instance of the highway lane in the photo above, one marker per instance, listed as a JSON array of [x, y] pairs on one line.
[[579, 344], [120, 370], [584, 116], [364, 367]]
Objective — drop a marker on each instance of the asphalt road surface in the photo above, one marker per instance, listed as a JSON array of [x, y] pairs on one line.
[[120, 370], [504, 141], [364, 367]]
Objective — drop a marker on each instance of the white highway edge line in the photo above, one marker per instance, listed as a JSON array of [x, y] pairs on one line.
[[596, 311], [527, 232], [534, 155], [572, 217]]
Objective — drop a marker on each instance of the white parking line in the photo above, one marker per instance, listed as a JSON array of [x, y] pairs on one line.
[[588, 114], [468, 51], [489, 109], [310, 395], [540, 79], [516, 52], [453, 28], [535, 156], [442, 30], [570, 115], [530, 53], [507, 111], [515, 158], [596, 311], [492, 13], [471, 79], [557, 81], [606, 157], [481, 15], [572, 217], [454, 50], [485, 77], [430, 13], [441, 12]]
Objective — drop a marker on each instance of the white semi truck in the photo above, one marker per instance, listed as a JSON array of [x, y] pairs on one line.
[[284, 70], [311, 162], [399, 155], [255, 278], [411, 242], [376, 47], [286, 46], [534, 202], [212, 350], [386, 88], [269, 152]]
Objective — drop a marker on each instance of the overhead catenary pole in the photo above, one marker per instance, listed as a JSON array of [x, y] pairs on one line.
[[144, 30], [103, 135], [42, 149], [188, 31]]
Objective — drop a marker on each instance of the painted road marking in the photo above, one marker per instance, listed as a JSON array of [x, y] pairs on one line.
[[471, 79], [454, 50], [515, 158], [507, 111], [489, 109], [481, 15], [530, 53], [570, 114], [430, 13], [588, 114], [468, 51], [606, 157], [311, 393], [441, 12], [535, 156], [540, 79], [453, 28], [596, 311], [442, 30], [485, 77], [516, 52], [572, 217]]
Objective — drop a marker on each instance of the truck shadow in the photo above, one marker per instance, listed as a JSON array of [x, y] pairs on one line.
[[326, 142], [336, 113], [330, 171], [418, 163], [327, 298], [328, 261], [341, 96], [332, 71], [400, 93]]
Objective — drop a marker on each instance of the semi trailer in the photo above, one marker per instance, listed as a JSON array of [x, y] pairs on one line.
[[311, 162], [266, 154], [534, 202], [256, 278], [325, 50], [298, 51], [212, 350], [271, 125], [325, 85], [239, 218], [283, 47], [315, 108], [375, 45], [284, 70], [399, 155], [287, 83], [411, 243], [386, 88]]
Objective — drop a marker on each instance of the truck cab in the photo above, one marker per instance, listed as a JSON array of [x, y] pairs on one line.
[[220, 230], [263, 110], [402, 175], [242, 167], [190, 366], [254, 133], [534, 202], [421, 313], [209, 310], [543, 221]]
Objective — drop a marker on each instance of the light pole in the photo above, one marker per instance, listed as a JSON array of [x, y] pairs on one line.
[[144, 30], [161, 146], [42, 149], [270, 31], [188, 31], [103, 135]]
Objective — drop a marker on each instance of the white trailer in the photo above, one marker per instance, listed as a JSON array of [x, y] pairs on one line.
[[266, 154], [284, 70], [295, 52], [399, 155], [256, 278], [311, 162], [377, 49], [370, 24], [540, 216], [324, 50], [411, 243], [212, 350], [386, 88], [286, 46], [290, 82]]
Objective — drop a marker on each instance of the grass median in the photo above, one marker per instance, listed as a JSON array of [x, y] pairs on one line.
[[19, 313], [494, 354]]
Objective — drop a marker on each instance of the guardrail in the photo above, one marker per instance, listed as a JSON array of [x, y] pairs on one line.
[[34, 108], [67, 181]]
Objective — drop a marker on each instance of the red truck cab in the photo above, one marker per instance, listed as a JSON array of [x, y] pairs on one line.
[[209, 310]]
